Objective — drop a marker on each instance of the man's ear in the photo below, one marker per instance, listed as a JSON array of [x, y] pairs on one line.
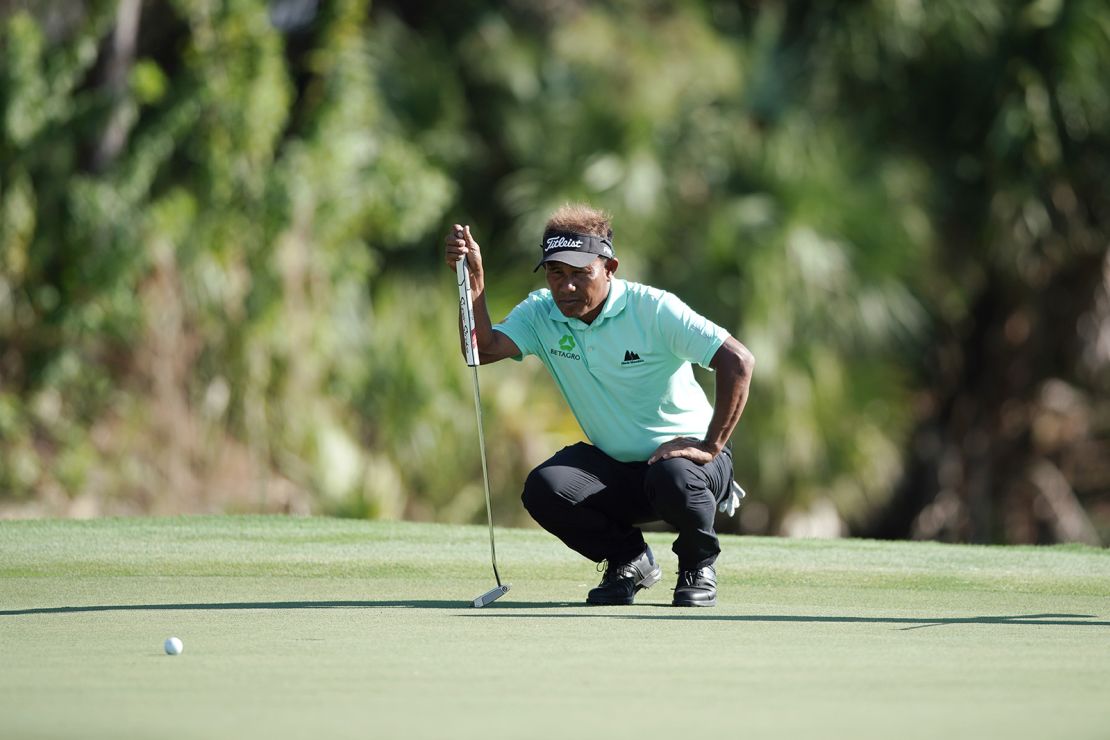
[[611, 266]]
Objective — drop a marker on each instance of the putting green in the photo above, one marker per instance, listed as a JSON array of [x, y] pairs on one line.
[[336, 628]]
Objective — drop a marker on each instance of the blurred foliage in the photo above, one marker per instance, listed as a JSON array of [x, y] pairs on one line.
[[221, 285]]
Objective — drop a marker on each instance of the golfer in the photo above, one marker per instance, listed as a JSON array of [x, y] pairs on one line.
[[621, 355]]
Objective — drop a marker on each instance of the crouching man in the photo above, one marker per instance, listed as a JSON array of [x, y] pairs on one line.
[[621, 354]]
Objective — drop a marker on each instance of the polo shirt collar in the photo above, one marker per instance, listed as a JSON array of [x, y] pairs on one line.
[[614, 304]]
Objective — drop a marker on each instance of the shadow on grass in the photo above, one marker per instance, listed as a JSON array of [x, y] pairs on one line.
[[504, 609], [1032, 620], [396, 604]]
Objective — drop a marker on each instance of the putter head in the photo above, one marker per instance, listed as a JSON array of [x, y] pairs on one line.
[[491, 596]]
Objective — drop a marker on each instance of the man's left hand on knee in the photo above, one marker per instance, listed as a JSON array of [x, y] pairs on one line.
[[690, 448]]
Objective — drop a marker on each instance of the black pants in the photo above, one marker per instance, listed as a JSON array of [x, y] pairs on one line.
[[593, 503]]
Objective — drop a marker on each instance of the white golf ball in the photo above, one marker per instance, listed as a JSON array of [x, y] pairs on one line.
[[173, 646]]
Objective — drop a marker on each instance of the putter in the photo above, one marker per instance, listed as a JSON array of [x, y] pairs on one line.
[[466, 312]]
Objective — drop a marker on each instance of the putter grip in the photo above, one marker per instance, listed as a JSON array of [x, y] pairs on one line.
[[466, 313]]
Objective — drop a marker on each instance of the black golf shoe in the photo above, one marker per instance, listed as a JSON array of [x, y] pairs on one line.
[[622, 580], [696, 587]]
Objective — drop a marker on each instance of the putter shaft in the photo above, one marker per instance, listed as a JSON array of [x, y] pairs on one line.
[[485, 480], [470, 348]]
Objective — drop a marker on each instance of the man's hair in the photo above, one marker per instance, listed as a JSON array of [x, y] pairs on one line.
[[582, 219]]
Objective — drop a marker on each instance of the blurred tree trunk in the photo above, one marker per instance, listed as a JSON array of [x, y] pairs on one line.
[[121, 56]]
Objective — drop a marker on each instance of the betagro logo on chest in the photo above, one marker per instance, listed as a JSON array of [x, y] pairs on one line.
[[566, 347]]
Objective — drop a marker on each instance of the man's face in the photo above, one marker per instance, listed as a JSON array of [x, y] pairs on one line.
[[580, 292]]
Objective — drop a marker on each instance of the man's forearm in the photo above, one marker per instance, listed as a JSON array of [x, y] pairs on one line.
[[733, 365], [483, 325], [492, 346]]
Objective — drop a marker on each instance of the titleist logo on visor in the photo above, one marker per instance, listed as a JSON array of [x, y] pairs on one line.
[[573, 248], [561, 242]]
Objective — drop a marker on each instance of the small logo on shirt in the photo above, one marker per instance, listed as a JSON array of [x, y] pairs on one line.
[[631, 358], [566, 347]]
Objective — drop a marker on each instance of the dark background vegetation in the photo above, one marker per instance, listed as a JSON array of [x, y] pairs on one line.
[[220, 222]]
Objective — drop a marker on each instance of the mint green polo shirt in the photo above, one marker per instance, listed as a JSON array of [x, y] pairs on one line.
[[627, 377]]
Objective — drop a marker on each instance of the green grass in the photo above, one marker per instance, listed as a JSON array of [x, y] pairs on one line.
[[331, 628]]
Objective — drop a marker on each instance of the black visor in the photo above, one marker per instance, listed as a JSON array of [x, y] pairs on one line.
[[578, 250]]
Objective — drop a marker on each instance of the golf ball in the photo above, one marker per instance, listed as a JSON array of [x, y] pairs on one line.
[[173, 646]]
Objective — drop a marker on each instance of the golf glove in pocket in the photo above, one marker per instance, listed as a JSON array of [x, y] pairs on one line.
[[731, 502]]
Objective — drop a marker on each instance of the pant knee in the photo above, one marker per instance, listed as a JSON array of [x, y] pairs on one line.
[[538, 494]]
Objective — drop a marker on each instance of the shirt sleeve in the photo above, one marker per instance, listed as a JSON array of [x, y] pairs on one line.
[[689, 335], [519, 326]]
